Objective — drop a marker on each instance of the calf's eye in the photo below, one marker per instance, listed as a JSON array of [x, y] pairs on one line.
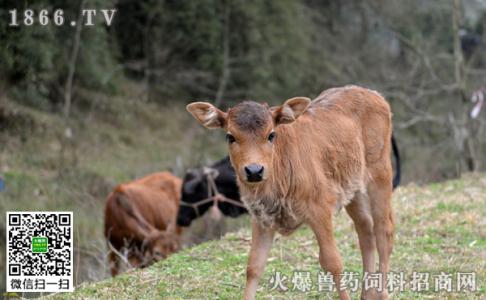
[[230, 138], [271, 137]]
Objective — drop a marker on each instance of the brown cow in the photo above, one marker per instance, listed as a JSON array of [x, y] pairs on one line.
[[297, 162], [140, 219]]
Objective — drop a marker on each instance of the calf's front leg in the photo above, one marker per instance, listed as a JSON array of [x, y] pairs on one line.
[[329, 258], [261, 242]]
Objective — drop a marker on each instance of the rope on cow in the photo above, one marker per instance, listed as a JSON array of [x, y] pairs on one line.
[[213, 194]]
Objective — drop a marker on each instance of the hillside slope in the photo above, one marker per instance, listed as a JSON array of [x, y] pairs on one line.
[[439, 228], [50, 165]]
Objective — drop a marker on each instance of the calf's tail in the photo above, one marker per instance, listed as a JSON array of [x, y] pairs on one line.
[[396, 155]]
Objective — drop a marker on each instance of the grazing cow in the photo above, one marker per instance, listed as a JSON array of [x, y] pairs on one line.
[[140, 220], [296, 163], [195, 191]]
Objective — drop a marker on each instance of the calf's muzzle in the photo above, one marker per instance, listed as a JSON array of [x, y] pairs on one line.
[[254, 172]]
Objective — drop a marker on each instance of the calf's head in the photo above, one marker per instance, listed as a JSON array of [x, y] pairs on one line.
[[250, 133], [159, 244]]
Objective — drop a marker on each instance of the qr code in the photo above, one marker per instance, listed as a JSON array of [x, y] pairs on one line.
[[39, 252]]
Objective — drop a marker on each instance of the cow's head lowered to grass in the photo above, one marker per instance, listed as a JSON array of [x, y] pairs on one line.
[[250, 132]]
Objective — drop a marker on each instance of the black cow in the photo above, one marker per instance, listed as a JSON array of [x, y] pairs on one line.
[[195, 190]]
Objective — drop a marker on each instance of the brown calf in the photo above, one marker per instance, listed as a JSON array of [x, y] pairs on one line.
[[297, 162], [140, 219]]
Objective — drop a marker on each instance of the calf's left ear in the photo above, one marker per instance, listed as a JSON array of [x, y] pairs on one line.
[[207, 114], [290, 110]]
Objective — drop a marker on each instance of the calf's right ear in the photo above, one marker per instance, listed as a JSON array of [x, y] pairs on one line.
[[207, 114]]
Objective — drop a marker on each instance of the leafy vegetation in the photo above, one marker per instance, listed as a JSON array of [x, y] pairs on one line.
[[230, 50]]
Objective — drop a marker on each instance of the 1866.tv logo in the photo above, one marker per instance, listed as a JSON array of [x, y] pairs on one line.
[[44, 17]]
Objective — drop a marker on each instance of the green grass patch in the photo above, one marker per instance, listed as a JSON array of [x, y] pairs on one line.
[[433, 234]]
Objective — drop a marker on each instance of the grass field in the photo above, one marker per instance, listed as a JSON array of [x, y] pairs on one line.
[[439, 228]]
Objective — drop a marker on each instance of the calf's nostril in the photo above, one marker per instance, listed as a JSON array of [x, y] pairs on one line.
[[260, 171], [247, 171]]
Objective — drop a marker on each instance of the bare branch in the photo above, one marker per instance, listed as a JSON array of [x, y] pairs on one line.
[[226, 57], [425, 58], [120, 255], [458, 57], [72, 63]]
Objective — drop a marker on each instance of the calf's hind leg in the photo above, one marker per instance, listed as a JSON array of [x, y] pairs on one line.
[[360, 213], [380, 194]]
